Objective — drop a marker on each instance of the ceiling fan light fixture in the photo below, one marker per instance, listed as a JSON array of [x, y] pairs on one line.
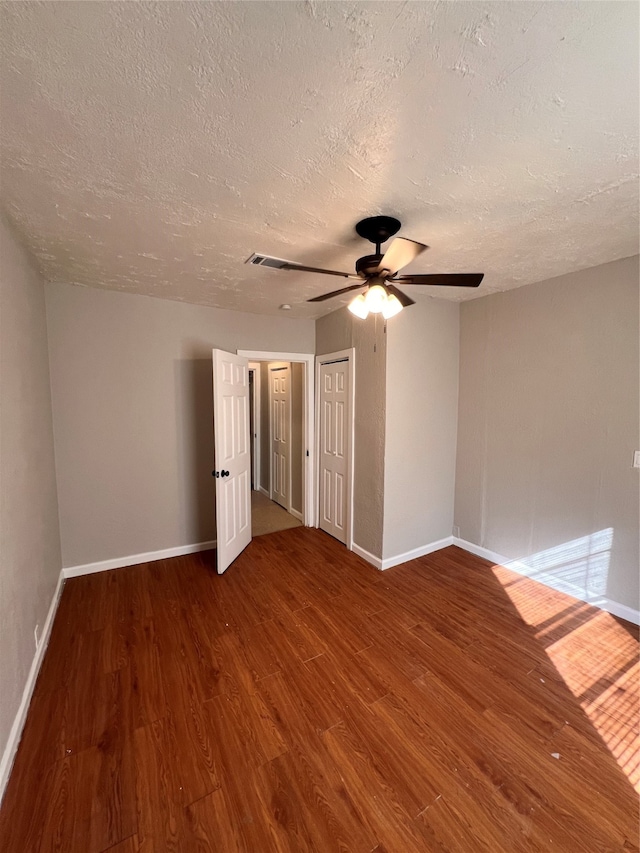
[[392, 306], [359, 307], [376, 300]]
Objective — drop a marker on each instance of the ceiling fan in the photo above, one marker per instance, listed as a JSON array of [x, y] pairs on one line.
[[378, 273]]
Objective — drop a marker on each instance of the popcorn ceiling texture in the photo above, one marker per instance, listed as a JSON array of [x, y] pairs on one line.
[[151, 147]]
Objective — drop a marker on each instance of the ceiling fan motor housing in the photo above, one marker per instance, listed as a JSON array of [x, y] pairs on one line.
[[368, 265]]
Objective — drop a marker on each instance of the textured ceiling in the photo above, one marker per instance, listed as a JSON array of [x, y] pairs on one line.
[[151, 147]]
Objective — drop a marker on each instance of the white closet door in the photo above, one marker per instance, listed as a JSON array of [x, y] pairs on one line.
[[334, 448]]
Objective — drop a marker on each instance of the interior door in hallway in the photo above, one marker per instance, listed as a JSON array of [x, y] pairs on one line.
[[232, 456], [334, 448], [280, 404]]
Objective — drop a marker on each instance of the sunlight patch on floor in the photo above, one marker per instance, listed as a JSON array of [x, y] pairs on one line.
[[607, 684]]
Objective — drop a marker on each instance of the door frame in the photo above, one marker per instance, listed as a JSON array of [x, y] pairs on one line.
[[310, 467], [255, 369], [348, 355]]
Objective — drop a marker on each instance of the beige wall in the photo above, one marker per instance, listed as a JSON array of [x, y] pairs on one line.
[[548, 423], [132, 403], [30, 554], [338, 331], [421, 424]]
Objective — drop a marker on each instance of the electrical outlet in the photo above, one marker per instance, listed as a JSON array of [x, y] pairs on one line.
[[636, 459], [36, 634]]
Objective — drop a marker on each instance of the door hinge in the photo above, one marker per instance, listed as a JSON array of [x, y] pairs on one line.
[[307, 452]]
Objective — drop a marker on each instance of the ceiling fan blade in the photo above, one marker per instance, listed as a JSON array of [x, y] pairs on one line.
[[338, 292], [281, 264], [400, 253], [290, 266], [470, 279], [401, 297]]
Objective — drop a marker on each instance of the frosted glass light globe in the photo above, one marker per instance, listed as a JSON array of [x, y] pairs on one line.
[[359, 307], [376, 299], [392, 307]]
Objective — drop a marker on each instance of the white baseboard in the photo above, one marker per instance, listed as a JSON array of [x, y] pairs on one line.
[[389, 562], [370, 558], [479, 551], [617, 609], [264, 492], [296, 514], [136, 559], [623, 611], [18, 724]]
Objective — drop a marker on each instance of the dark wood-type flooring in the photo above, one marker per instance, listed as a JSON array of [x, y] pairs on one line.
[[306, 702]]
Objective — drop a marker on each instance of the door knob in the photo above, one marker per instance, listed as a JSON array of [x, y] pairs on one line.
[[215, 473], [224, 473]]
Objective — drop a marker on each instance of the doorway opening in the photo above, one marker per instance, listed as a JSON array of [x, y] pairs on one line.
[[281, 397]]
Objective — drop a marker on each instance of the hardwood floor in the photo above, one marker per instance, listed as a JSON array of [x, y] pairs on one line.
[[306, 702]]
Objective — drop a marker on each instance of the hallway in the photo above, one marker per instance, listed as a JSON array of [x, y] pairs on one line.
[[268, 517]]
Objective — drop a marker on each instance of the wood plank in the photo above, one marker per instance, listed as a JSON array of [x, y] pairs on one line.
[[373, 796], [129, 845], [161, 820]]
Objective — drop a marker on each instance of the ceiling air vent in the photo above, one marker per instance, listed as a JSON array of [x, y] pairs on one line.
[[267, 261]]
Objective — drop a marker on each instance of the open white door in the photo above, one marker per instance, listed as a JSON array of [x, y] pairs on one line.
[[232, 455]]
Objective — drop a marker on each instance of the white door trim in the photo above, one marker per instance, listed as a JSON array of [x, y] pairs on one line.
[[255, 439], [308, 359], [350, 356]]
